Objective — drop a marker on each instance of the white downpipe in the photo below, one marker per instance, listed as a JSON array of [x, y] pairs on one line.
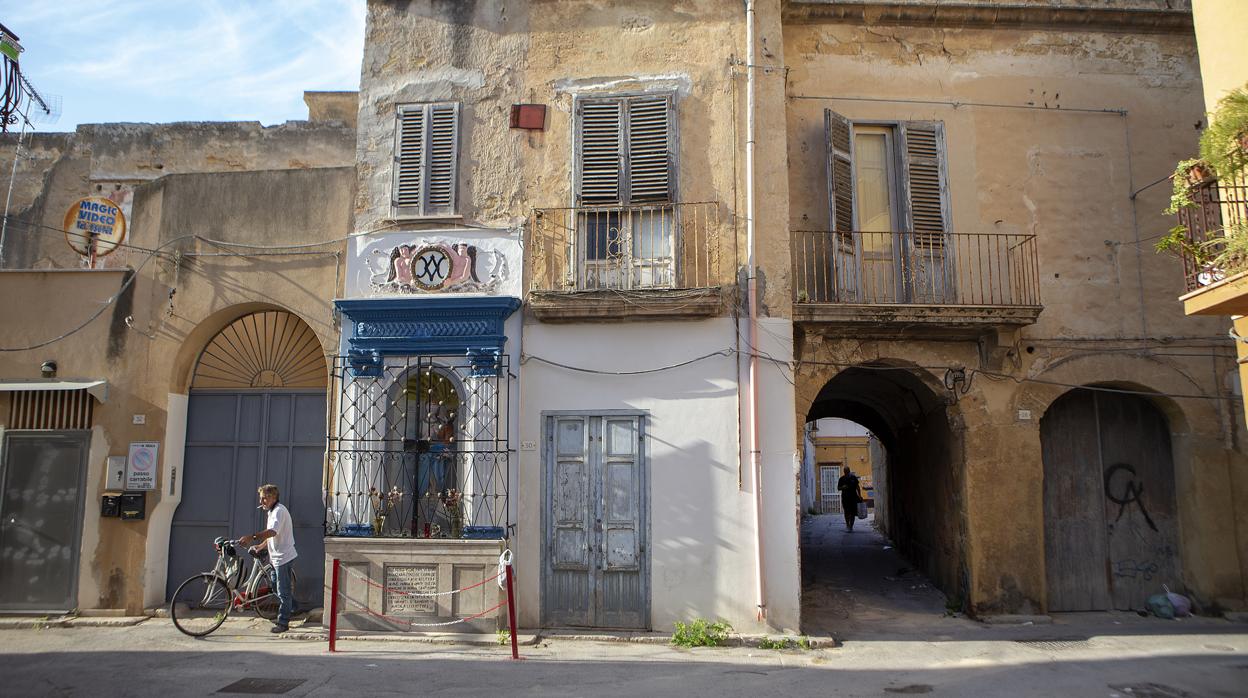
[[756, 468]]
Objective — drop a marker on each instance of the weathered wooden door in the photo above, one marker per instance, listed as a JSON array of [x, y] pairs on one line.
[[594, 543], [1111, 529]]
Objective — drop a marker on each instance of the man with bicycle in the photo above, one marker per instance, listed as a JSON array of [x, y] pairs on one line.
[[279, 532]]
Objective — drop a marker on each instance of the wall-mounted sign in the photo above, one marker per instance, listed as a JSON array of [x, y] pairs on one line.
[[94, 226], [403, 264], [141, 465]]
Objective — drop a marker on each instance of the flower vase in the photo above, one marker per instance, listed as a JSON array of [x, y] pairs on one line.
[[457, 525], [379, 523]]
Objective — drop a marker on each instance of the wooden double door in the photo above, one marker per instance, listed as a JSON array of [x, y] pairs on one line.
[[1111, 525], [595, 560]]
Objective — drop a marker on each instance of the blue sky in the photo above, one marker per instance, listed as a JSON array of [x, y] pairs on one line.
[[186, 60]]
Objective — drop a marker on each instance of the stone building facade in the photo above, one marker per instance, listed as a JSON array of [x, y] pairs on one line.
[[533, 296]]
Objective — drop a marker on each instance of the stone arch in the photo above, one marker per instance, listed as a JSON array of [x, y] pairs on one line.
[[908, 409], [195, 341]]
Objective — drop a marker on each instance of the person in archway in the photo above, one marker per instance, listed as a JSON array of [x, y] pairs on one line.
[[280, 535], [850, 496]]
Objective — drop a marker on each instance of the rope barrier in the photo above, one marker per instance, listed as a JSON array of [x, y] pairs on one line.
[[383, 587], [410, 624], [504, 577]]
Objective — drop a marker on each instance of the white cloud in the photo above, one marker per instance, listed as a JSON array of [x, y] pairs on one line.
[[149, 60]]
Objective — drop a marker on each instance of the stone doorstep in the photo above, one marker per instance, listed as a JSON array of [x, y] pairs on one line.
[[313, 616]]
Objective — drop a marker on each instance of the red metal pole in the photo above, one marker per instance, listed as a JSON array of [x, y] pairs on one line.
[[333, 607], [511, 615]]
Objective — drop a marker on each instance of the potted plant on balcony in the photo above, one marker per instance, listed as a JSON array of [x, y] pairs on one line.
[[1224, 144]]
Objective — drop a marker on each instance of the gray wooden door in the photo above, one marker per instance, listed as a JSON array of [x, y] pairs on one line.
[[41, 488], [594, 543], [235, 442], [1111, 529]]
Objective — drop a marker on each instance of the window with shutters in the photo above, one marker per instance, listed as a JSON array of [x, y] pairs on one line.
[[889, 205], [888, 177], [426, 154], [624, 182]]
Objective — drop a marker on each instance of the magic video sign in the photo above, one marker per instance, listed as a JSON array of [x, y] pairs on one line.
[[94, 226]]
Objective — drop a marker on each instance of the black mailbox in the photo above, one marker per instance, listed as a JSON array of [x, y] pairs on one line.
[[133, 506], [110, 505]]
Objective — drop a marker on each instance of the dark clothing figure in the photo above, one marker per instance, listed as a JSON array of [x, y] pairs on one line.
[[850, 496]]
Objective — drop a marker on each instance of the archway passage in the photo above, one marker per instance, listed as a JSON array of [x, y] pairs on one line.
[[909, 565], [256, 415], [1110, 524]]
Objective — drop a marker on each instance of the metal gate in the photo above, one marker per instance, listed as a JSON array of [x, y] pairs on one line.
[[829, 496], [595, 568], [235, 442], [41, 488], [1111, 530]]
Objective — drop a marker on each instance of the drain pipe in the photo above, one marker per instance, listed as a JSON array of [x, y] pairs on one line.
[[756, 469]]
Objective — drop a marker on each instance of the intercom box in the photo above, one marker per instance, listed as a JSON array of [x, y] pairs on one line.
[[133, 506]]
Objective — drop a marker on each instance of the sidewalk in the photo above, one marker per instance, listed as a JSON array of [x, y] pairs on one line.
[[153, 658]]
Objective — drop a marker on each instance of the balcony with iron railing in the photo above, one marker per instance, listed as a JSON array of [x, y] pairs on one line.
[[619, 262], [953, 284], [1215, 274]]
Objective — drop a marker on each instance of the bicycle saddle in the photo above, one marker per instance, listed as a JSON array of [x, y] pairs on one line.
[[225, 545]]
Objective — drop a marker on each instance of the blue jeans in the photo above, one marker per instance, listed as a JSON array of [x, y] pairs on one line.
[[285, 595]]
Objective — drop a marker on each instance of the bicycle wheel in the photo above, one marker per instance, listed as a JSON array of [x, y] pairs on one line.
[[264, 594], [266, 603], [200, 605]]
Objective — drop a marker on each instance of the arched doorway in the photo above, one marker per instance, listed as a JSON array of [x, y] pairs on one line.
[[1110, 519], [918, 481], [256, 414]]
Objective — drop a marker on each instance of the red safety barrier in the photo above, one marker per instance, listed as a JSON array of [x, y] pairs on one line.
[[333, 608], [511, 612]]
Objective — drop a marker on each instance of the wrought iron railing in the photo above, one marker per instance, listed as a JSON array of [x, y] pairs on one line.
[[656, 246], [975, 269], [1217, 206], [419, 448]]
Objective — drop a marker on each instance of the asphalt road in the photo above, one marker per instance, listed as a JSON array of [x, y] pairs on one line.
[[152, 658]]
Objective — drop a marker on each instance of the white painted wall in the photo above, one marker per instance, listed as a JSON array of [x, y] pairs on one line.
[[835, 426], [701, 518], [160, 519]]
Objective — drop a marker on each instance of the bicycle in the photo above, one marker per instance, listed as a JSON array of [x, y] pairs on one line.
[[203, 602]]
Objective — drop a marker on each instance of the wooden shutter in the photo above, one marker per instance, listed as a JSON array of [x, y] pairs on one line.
[[840, 171], [426, 151], [409, 148], [600, 153], [443, 148], [926, 189], [649, 149]]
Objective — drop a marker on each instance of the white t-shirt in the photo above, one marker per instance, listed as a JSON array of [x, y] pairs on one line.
[[281, 546]]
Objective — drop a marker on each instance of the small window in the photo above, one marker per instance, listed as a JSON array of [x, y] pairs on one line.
[[426, 154]]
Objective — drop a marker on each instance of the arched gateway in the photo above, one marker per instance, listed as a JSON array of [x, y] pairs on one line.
[[256, 414]]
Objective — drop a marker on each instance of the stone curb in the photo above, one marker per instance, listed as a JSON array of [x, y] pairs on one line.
[[1016, 620], [39, 623]]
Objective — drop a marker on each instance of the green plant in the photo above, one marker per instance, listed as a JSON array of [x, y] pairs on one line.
[[701, 633], [1181, 185], [782, 643], [1224, 142], [504, 637], [804, 642], [1233, 255]]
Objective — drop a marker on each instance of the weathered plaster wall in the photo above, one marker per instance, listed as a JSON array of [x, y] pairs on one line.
[[149, 365], [1035, 146], [111, 160]]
